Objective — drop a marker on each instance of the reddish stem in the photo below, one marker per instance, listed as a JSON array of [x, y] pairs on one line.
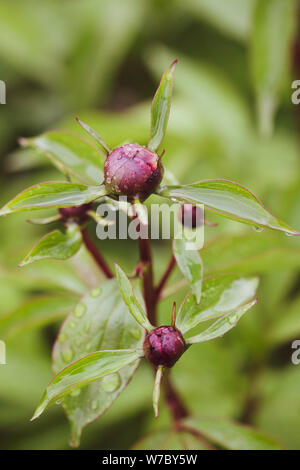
[[165, 277], [92, 248], [147, 275]]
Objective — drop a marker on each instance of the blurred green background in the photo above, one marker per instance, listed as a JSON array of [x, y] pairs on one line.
[[232, 117]]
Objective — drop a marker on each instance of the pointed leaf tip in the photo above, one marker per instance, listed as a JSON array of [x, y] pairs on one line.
[[133, 305], [160, 109]]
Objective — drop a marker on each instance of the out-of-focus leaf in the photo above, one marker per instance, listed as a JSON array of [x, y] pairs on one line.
[[230, 435], [169, 440], [160, 110], [190, 264], [100, 321], [220, 295], [84, 371], [228, 199], [71, 154], [53, 194], [231, 17], [133, 305], [250, 254], [286, 326], [56, 245], [221, 326], [35, 314], [270, 53]]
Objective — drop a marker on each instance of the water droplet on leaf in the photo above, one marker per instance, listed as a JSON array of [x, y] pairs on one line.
[[80, 310], [67, 354], [96, 292], [111, 382]]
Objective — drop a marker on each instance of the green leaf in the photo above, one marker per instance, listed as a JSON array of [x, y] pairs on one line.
[[228, 199], [270, 55], [231, 17], [286, 326], [169, 440], [84, 371], [35, 314], [71, 154], [53, 194], [221, 326], [246, 254], [133, 305], [160, 110], [230, 435], [94, 134], [56, 245], [220, 295], [101, 320], [190, 264]]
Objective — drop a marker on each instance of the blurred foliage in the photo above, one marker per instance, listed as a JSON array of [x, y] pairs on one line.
[[100, 59]]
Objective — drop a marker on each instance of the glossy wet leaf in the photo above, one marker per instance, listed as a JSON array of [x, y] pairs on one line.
[[169, 440], [221, 326], [71, 154], [270, 53], [220, 295], [84, 371], [230, 435], [101, 320], [133, 305], [160, 110], [53, 194], [56, 245], [94, 135], [228, 199], [34, 314], [190, 264]]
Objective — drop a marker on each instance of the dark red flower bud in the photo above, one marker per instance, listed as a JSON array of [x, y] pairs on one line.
[[191, 216], [133, 171], [164, 346], [78, 214]]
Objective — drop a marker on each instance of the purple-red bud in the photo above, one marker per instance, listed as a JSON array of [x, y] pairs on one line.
[[133, 171], [164, 346], [191, 216], [78, 214]]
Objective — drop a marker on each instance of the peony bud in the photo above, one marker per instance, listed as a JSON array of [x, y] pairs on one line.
[[164, 346], [132, 170]]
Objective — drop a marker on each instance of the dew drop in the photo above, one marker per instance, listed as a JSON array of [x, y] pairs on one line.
[[87, 327], [80, 310], [62, 338], [258, 229], [96, 292], [94, 404], [67, 354], [111, 382], [288, 234], [232, 320], [136, 333], [72, 324], [75, 393]]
